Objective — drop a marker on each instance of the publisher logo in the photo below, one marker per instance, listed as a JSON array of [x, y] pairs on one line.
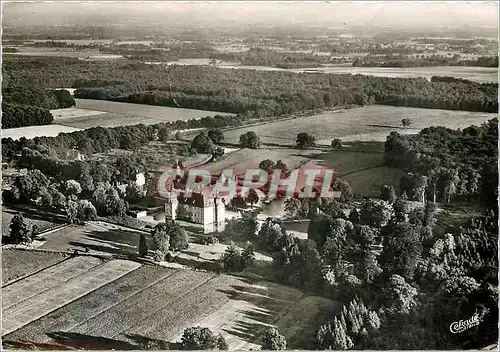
[[460, 326]]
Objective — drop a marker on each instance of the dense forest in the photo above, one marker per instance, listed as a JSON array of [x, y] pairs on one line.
[[24, 115], [39, 97], [29, 106], [407, 296], [242, 91], [446, 164]]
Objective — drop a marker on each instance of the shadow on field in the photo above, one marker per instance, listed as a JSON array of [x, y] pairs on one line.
[[82, 341], [266, 307], [113, 242], [33, 214], [247, 331]]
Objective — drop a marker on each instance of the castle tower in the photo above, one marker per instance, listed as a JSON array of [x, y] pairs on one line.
[[171, 206], [219, 218]]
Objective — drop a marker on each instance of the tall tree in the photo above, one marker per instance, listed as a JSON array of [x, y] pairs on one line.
[[202, 144], [86, 211], [388, 194], [248, 254], [179, 239], [161, 238], [114, 204], [72, 188], [231, 259], [72, 212], [402, 250], [19, 231], [375, 213], [143, 246]]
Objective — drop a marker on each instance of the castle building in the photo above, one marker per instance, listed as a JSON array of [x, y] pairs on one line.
[[200, 207]]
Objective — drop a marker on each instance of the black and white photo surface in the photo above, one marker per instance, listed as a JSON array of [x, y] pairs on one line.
[[235, 175]]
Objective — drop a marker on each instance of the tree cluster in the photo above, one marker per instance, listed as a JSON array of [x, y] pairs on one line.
[[14, 116], [250, 140], [305, 141], [167, 237], [29, 106], [445, 165], [198, 338], [235, 260], [19, 231]]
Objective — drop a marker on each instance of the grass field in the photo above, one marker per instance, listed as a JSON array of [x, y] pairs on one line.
[[244, 159], [345, 162], [31, 132], [367, 183], [83, 54], [19, 263], [477, 74], [364, 171], [61, 115], [123, 305], [110, 114], [370, 123], [362, 168]]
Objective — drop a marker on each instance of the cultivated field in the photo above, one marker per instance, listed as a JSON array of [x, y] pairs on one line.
[[18, 263], [370, 123], [38, 295], [31, 132], [111, 114], [119, 304]]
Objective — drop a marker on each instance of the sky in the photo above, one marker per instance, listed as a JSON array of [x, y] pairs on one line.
[[385, 14]]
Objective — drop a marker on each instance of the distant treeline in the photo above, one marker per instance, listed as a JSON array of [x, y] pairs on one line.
[[391, 61], [253, 92], [28, 106], [274, 58], [484, 61]]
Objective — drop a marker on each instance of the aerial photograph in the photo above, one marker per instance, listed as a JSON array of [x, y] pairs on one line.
[[246, 176]]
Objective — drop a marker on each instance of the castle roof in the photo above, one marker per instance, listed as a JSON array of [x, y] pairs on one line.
[[199, 198]]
